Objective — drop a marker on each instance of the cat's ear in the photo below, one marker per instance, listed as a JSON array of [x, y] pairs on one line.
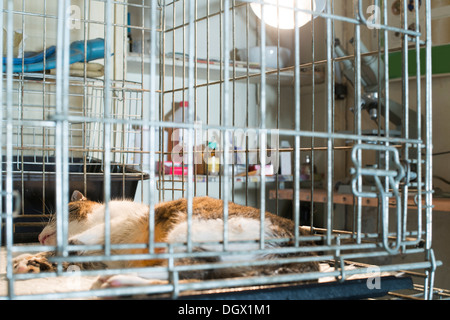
[[77, 196]]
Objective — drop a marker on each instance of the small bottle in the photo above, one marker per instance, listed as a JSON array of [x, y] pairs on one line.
[[175, 135], [213, 161], [305, 169], [178, 116]]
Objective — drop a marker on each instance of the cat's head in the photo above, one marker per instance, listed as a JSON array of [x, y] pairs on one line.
[[79, 209]]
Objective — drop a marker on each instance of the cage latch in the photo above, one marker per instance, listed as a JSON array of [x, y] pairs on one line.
[[386, 187]]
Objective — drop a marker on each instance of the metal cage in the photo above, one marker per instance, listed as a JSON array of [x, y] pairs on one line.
[[318, 123]]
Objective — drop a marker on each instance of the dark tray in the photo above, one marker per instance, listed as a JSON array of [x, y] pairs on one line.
[[34, 178]]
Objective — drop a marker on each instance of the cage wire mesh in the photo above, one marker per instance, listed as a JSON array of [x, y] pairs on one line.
[[161, 100]]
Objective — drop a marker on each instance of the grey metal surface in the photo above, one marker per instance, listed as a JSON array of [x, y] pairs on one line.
[[352, 289]]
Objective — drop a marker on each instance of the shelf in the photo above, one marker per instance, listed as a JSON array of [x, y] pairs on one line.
[[320, 196], [251, 178], [215, 69]]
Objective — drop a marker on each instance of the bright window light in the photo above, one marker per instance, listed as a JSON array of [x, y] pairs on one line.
[[284, 16]]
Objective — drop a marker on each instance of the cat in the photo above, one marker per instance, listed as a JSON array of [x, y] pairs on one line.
[[129, 223]]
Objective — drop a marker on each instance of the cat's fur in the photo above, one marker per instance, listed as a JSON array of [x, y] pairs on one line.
[[130, 224]]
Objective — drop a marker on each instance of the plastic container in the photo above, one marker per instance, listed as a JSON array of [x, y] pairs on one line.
[[31, 174], [271, 53]]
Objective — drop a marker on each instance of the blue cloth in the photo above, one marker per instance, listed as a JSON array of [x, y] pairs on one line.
[[33, 62]]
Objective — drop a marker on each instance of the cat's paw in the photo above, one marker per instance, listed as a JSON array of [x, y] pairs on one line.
[[123, 280], [28, 263]]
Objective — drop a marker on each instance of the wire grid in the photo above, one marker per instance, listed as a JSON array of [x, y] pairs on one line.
[[175, 67]]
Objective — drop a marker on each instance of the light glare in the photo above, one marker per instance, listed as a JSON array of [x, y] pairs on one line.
[[283, 16]]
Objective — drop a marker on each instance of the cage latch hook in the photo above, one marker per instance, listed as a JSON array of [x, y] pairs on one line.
[[387, 186]]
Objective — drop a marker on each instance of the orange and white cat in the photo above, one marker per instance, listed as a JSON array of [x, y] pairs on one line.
[[129, 223]]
